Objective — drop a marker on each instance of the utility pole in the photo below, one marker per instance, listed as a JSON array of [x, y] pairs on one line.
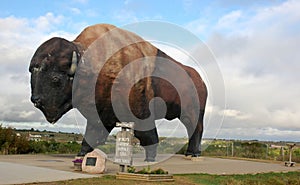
[[227, 149], [267, 151], [232, 146]]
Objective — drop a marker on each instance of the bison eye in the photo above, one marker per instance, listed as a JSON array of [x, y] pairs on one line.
[[55, 80]]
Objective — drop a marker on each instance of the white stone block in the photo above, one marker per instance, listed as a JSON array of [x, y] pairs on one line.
[[94, 162]]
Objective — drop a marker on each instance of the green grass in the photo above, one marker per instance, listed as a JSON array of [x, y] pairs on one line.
[[289, 178]]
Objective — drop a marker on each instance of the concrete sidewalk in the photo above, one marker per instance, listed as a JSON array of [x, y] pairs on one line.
[[209, 165], [18, 169], [11, 173]]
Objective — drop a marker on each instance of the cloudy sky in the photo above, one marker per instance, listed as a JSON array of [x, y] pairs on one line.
[[255, 44]]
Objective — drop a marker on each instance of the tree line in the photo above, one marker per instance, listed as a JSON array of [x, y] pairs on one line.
[[13, 143]]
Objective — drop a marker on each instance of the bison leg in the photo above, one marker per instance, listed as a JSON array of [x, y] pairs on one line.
[[195, 135], [95, 134], [149, 141], [194, 146], [85, 148]]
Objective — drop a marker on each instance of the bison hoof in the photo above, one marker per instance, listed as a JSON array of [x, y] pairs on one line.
[[188, 157], [188, 154]]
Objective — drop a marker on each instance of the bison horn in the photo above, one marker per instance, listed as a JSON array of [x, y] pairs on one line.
[[74, 64]]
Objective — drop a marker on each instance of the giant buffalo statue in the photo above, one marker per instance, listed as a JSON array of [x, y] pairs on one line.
[[61, 72]]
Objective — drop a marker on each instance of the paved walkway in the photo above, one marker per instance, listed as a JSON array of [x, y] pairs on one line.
[[17, 169], [11, 173], [219, 166]]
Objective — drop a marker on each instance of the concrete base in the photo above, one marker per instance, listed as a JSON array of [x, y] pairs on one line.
[[189, 157]]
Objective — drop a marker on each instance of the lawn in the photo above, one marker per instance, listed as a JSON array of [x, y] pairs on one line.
[[290, 178]]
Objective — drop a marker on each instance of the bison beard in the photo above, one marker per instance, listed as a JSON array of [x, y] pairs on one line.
[[76, 63]]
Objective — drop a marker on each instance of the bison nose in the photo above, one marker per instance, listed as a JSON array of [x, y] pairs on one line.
[[36, 100]]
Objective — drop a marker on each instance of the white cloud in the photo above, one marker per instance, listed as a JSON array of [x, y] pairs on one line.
[[20, 37], [236, 114], [44, 126], [229, 20], [11, 23], [262, 133], [48, 21], [15, 39], [287, 11], [259, 59], [198, 27], [26, 114]]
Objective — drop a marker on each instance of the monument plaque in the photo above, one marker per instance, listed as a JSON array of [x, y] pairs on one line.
[[124, 144], [91, 161]]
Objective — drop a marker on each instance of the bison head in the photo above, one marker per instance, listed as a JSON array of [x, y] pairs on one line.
[[52, 70]]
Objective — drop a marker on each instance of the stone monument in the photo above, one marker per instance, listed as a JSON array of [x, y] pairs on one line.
[[94, 162]]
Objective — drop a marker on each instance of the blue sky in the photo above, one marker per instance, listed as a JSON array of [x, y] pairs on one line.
[[255, 44], [88, 12]]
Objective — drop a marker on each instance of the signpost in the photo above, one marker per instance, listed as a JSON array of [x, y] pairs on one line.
[[124, 151], [290, 162], [124, 148]]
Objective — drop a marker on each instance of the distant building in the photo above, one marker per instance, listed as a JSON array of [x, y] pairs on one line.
[[35, 137], [276, 146]]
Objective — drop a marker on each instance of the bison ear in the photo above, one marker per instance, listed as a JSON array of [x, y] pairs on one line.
[[74, 64]]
